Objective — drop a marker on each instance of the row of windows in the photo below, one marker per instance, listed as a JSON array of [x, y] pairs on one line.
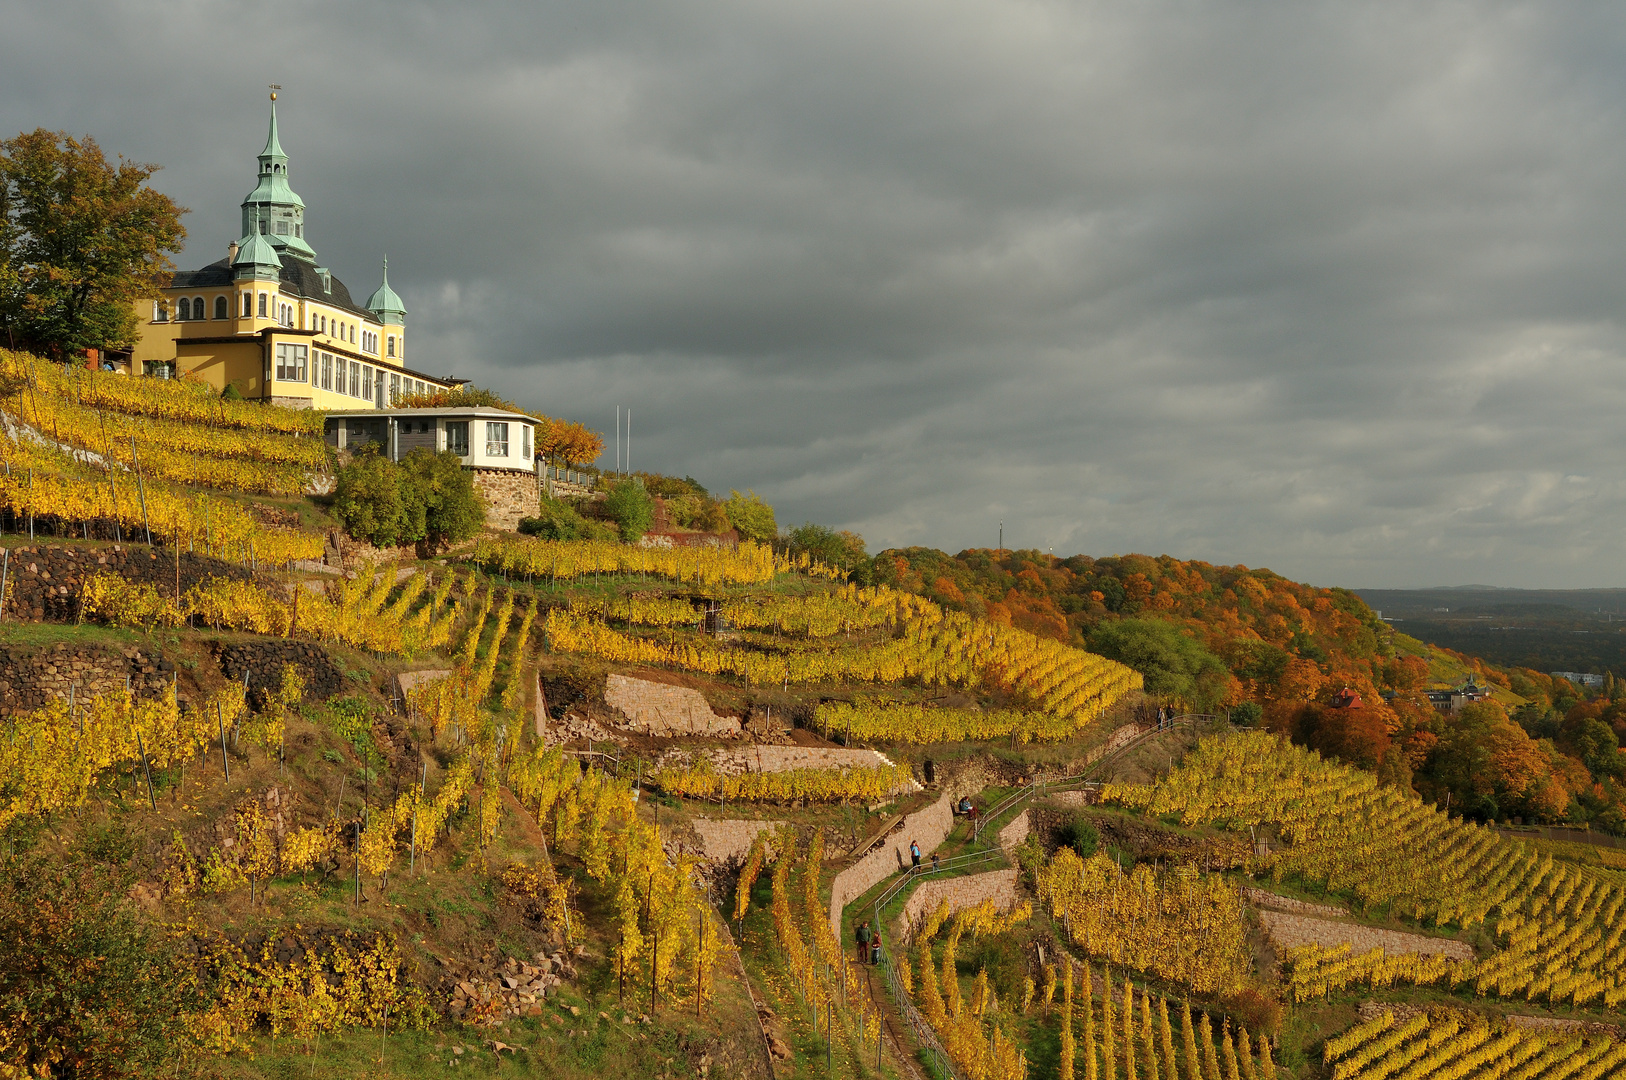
[[192, 309], [329, 372], [188, 310]]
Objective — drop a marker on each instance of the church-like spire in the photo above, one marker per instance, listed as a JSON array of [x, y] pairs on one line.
[[385, 304], [280, 211]]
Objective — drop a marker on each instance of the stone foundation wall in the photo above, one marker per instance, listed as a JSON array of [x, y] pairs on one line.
[[509, 495], [43, 580], [29, 680], [960, 892], [659, 709]]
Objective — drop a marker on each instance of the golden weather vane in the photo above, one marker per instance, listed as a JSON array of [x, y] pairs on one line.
[[274, 88]]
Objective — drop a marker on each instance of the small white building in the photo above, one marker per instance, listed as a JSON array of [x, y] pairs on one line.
[[497, 445], [484, 437]]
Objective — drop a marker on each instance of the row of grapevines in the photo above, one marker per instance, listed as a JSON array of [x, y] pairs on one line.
[[1442, 1044], [182, 400], [749, 564], [938, 648], [42, 482], [1178, 925], [846, 784], [51, 757], [912, 723], [1562, 928]]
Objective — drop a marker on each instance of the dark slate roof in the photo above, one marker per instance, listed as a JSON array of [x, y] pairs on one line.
[[299, 278]]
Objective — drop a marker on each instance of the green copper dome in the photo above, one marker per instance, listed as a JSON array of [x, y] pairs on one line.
[[280, 210], [385, 303]]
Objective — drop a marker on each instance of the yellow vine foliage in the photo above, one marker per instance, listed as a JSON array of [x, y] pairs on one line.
[[843, 784]]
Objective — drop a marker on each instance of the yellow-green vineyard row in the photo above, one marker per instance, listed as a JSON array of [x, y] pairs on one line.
[[1561, 928]]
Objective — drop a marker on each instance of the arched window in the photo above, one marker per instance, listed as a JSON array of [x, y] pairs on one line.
[[248, 305], [198, 310], [183, 310], [262, 313], [220, 307]]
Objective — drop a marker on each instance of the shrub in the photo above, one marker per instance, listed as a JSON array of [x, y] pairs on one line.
[[1247, 714], [1078, 833], [85, 989], [698, 512], [444, 505], [751, 516], [632, 508], [370, 502], [231, 393], [428, 498], [556, 519]]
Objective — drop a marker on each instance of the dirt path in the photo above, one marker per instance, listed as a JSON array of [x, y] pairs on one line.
[[892, 1022]]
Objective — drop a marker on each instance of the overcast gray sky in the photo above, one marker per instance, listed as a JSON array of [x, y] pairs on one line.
[[1330, 288]]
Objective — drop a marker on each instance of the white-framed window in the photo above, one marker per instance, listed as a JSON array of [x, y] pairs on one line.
[[222, 307], [525, 441], [160, 311], [282, 227], [366, 381], [321, 324], [248, 304], [291, 361], [183, 310], [198, 311], [355, 379], [457, 437], [265, 301], [496, 439], [391, 344]]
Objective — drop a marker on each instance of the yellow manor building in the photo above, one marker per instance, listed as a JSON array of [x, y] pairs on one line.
[[269, 320]]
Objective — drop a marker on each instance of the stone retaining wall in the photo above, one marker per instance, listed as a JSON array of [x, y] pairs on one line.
[[960, 892], [1291, 931], [262, 663], [733, 760], [928, 827], [1016, 832], [660, 709], [1261, 898], [728, 840], [43, 580], [29, 680]]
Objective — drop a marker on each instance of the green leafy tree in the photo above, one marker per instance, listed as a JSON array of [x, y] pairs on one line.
[[443, 506], [370, 502], [82, 239], [1173, 664], [752, 517], [844, 550], [632, 508]]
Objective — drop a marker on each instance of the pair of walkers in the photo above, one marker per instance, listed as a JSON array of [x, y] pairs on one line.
[[869, 944], [914, 858]]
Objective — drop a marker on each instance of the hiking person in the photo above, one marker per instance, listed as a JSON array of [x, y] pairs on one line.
[[863, 936], [914, 855], [935, 867], [875, 948]]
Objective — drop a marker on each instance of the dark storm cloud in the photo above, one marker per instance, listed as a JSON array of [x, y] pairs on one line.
[[1327, 288]]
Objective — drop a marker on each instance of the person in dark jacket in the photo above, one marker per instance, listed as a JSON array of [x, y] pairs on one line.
[[863, 936]]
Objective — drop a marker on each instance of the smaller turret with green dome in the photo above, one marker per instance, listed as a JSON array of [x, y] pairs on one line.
[[386, 304]]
